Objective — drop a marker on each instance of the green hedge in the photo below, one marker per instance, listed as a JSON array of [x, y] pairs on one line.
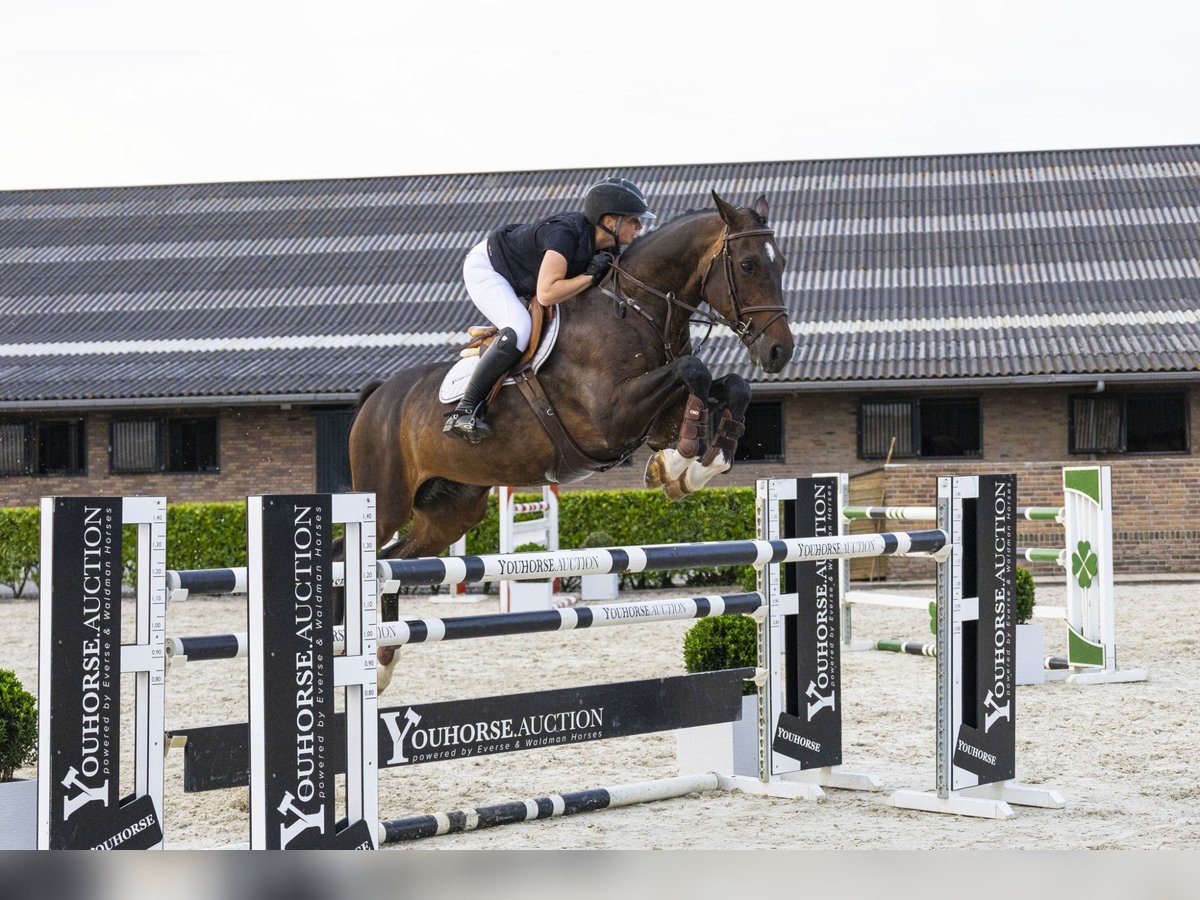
[[20, 547], [213, 535]]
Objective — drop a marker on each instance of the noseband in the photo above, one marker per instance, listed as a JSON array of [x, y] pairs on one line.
[[739, 324]]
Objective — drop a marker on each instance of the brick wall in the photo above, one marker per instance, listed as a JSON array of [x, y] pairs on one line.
[[262, 450]]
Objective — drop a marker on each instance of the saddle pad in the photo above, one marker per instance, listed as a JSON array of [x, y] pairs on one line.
[[455, 382]]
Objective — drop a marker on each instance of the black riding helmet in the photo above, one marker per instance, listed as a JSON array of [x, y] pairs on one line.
[[618, 196]]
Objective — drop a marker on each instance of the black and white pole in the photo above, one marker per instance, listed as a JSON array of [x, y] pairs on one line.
[[294, 673], [548, 807], [427, 631], [80, 663], [432, 570]]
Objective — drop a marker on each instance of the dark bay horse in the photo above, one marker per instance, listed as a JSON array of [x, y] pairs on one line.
[[622, 374]]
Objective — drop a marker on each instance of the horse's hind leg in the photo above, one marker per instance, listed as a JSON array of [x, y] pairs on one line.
[[443, 512]]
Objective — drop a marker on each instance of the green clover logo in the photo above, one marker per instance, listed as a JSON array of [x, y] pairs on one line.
[[1085, 565]]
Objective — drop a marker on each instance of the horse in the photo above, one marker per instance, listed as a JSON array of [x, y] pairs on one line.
[[622, 374]]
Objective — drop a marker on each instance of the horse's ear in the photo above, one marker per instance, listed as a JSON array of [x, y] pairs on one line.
[[760, 206], [728, 213]]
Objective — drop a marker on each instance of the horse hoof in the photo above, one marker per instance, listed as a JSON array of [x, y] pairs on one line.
[[677, 489], [656, 471], [386, 659]]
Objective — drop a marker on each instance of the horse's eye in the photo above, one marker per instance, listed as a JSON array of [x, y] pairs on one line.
[[748, 266]]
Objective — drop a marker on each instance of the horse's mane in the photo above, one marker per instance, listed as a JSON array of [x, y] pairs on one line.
[[647, 243]]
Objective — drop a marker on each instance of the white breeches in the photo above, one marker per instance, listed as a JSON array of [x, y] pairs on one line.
[[494, 296]]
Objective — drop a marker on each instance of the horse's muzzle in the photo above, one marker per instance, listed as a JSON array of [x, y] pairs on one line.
[[773, 355]]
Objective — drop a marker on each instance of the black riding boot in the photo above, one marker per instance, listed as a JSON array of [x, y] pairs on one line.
[[466, 420]]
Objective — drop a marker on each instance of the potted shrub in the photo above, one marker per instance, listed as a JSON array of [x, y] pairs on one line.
[[18, 749], [731, 748], [1031, 637]]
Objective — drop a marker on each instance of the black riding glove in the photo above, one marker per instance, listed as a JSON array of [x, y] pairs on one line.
[[598, 267]]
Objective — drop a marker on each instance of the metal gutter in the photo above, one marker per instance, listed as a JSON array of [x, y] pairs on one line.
[[761, 388], [308, 399], [992, 381]]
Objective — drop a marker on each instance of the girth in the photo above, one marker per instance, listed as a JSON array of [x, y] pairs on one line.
[[572, 463]]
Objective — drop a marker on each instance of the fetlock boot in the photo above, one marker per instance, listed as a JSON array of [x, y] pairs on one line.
[[466, 419]]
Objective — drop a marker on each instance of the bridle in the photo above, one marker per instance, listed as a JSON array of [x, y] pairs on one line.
[[739, 325]]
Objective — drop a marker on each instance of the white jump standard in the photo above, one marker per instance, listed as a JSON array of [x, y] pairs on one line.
[[976, 618], [80, 663]]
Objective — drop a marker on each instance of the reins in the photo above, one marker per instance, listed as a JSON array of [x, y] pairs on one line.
[[739, 325]]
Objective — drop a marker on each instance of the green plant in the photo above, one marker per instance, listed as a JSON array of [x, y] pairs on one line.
[[597, 539], [1024, 598], [20, 547], [18, 725], [722, 642]]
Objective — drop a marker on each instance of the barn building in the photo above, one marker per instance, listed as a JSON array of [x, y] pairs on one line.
[[1012, 312]]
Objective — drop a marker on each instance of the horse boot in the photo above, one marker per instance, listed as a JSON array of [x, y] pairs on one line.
[[466, 419]]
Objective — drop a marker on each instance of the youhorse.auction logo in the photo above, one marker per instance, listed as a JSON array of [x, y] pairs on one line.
[[95, 712], [412, 743], [307, 621], [997, 701]]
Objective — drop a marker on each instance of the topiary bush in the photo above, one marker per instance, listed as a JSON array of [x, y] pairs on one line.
[[18, 725], [722, 642], [1024, 598]]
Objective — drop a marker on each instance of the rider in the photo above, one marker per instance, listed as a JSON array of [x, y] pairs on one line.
[[549, 261]]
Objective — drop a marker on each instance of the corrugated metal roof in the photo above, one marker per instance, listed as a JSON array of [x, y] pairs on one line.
[[1004, 265]]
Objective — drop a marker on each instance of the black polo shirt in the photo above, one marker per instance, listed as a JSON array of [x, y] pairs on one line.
[[516, 251]]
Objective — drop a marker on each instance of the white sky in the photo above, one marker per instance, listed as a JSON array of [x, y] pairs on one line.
[[118, 92]]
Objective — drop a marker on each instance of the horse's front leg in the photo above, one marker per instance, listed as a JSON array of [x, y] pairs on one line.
[[731, 397], [678, 434]]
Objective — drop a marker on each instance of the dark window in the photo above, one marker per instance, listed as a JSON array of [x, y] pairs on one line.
[[43, 447], [763, 439], [192, 445], [928, 427], [176, 444], [333, 449], [1135, 422]]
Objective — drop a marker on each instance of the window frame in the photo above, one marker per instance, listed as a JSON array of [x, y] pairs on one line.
[[1123, 397], [163, 429], [31, 439], [916, 436]]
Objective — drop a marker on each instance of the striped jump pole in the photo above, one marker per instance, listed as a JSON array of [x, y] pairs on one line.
[[916, 648], [432, 570], [550, 806], [929, 513], [230, 580], [428, 631]]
